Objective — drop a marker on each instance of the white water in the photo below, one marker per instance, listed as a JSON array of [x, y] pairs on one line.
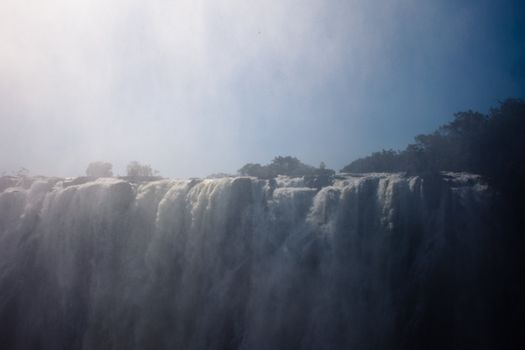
[[373, 261]]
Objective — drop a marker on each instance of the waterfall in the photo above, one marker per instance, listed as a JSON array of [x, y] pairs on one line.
[[376, 261]]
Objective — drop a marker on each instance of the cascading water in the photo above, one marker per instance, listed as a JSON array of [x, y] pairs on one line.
[[378, 261]]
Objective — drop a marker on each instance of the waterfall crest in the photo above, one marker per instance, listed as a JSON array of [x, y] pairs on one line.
[[372, 261]]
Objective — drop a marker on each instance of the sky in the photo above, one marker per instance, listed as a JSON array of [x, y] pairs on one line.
[[195, 87]]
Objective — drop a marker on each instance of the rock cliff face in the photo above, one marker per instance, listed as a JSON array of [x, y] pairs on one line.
[[379, 261]]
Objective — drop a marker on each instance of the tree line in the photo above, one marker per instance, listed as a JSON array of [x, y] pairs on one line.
[[491, 145], [290, 166], [134, 169], [287, 165]]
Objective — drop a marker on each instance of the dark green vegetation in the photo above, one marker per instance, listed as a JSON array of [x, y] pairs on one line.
[[491, 145], [290, 166], [99, 169], [136, 169]]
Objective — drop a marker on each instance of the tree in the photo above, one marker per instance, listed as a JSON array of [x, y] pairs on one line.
[[384, 161], [252, 169], [289, 166], [136, 169], [99, 169], [490, 145], [22, 172]]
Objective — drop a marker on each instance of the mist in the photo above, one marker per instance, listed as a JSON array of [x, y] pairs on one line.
[[281, 174], [196, 87]]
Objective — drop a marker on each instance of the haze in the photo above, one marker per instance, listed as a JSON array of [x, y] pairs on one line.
[[197, 87]]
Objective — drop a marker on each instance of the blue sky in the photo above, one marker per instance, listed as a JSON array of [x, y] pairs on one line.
[[197, 87]]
